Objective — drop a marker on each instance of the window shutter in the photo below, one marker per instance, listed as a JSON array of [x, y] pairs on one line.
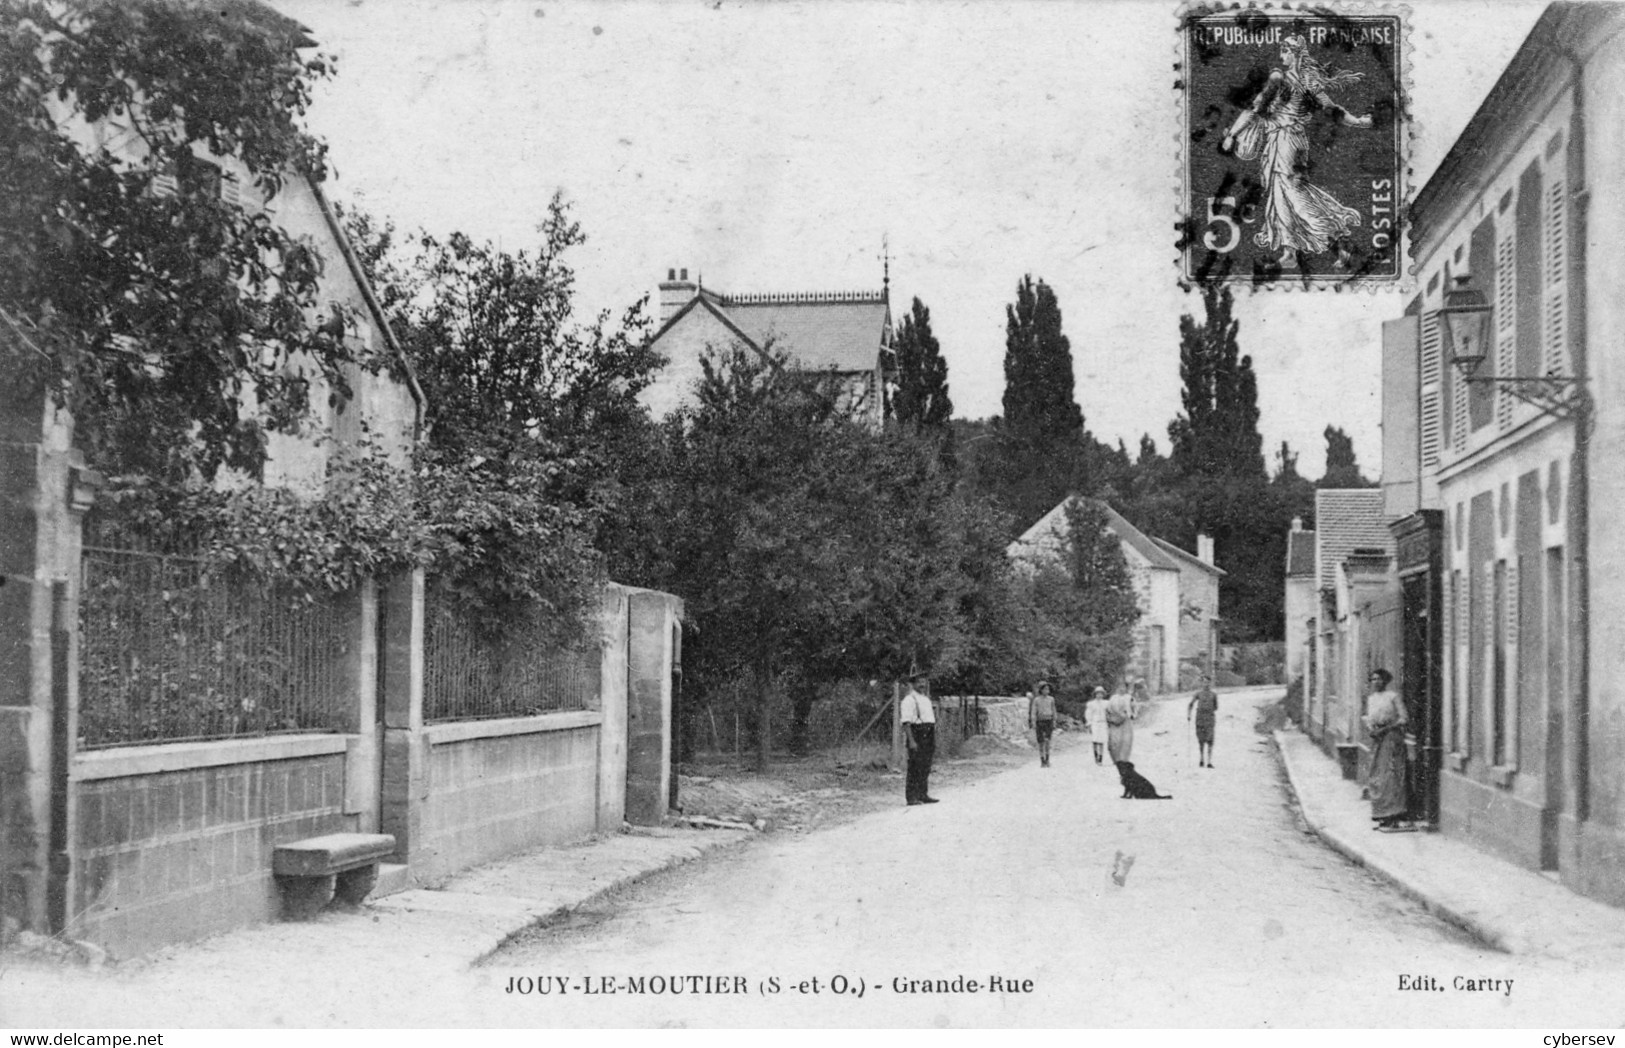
[[1430, 374], [1458, 415], [1505, 326], [1554, 336], [231, 190], [1514, 697], [165, 184]]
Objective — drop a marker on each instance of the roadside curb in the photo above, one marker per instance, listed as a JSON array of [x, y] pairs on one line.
[[1340, 842], [715, 840]]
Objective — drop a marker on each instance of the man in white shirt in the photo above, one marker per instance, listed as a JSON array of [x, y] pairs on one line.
[[920, 736]]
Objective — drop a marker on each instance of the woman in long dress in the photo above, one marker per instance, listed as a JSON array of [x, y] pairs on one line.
[[1120, 714], [1385, 719], [1299, 216]]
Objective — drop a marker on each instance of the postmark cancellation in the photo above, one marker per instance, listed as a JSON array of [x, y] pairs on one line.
[[1294, 138]]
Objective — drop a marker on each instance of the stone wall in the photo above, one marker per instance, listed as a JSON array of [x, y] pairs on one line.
[[164, 856]]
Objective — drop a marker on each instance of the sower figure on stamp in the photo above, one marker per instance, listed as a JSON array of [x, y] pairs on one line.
[[920, 736], [1385, 719], [1299, 216], [1041, 718], [1205, 706]]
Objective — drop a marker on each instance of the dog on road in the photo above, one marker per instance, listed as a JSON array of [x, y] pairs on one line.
[[1138, 787]]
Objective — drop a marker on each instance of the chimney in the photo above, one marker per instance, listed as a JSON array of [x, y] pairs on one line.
[[675, 292], [1297, 523], [1204, 548]]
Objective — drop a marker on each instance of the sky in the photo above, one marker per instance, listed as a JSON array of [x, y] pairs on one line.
[[777, 146]]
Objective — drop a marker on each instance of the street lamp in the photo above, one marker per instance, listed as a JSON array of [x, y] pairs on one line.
[[1466, 314], [1466, 333]]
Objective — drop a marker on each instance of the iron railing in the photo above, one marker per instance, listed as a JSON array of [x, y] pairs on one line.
[[474, 673], [171, 650]]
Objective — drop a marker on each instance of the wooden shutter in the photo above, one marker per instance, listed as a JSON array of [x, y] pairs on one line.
[[1505, 328], [1554, 336], [1432, 397]]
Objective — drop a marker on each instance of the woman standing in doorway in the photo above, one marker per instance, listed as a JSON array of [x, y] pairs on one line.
[[1385, 720]]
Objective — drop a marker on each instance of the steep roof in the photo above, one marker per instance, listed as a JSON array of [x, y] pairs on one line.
[[1300, 553], [1347, 519], [1050, 532], [1186, 557], [845, 335], [842, 331]]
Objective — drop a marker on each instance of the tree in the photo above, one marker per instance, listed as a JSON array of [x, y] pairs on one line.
[[153, 308], [1218, 433], [1342, 470], [922, 375], [1218, 470], [1038, 383], [807, 547], [504, 364]]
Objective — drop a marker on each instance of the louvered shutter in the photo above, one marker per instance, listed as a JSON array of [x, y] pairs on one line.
[[1431, 395], [1554, 335], [1505, 327]]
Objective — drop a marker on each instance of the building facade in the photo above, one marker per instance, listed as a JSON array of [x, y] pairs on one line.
[[1167, 580], [846, 335], [1502, 479]]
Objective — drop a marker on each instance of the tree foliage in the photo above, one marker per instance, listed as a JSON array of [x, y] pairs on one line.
[[177, 326], [1038, 384], [1342, 468], [922, 399]]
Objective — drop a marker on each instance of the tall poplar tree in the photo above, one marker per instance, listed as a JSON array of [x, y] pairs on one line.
[[1038, 384], [922, 375]]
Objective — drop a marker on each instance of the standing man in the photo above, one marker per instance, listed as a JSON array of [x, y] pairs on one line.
[[1205, 704], [920, 736], [1041, 718]]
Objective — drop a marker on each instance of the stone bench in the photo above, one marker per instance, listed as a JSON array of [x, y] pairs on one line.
[[315, 871]]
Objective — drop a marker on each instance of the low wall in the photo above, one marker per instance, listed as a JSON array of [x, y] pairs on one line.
[[173, 843], [503, 786]]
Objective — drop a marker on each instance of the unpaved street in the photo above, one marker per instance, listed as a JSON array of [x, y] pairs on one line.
[[1229, 915]]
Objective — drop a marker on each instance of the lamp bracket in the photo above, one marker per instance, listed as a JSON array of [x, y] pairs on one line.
[[1558, 396]]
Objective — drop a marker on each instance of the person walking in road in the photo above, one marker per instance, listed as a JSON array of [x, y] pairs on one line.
[[1094, 717], [920, 736], [1205, 705], [1120, 714], [1385, 720], [1041, 718]]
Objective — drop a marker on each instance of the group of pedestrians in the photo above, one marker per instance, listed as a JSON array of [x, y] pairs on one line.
[[1110, 721]]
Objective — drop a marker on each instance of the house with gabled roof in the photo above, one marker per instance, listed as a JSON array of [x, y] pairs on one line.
[[1301, 602], [1355, 613], [845, 334], [1198, 608], [1166, 581]]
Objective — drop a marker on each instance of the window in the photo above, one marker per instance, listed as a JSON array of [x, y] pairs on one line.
[[1431, 394]]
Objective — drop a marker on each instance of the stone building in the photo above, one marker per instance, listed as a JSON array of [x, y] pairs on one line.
[[844, 334], [1503, 428], [1178, 592]]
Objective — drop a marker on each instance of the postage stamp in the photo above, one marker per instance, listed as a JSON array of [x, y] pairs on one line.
[[1294, 139]]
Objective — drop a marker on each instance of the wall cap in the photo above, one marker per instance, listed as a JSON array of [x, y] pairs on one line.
[[124, 761], [464, 731]]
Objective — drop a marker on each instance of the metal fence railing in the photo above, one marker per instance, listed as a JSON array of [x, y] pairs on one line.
[[171, 651], [471, 674]]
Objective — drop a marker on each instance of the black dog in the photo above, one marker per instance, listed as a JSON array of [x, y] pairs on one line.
[[1138, 787]]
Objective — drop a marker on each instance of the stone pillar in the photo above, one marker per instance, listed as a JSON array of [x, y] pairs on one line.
[[38, 535], [649, 712], [362, 762], [405, 751], [612, 703]]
